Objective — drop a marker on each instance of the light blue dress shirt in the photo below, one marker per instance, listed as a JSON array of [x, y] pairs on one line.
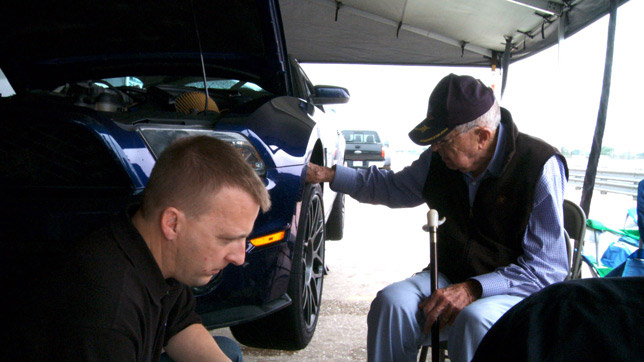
[[544, 260]]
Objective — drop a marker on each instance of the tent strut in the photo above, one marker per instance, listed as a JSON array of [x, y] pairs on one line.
[[338, 5], [595, 150], [505, 63], [463, 44], [402, 18]]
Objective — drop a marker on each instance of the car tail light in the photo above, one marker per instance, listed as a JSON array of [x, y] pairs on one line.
[[382, 152], [158, 138]]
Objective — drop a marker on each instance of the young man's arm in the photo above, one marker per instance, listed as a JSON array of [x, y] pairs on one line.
[[194, 343]]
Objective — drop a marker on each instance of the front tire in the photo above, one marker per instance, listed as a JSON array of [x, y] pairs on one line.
[[292, 328]]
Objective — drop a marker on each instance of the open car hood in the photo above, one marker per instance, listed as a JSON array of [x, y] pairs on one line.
[[48, 43]]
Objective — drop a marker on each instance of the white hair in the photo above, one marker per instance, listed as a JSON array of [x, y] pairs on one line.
[[490, 119]]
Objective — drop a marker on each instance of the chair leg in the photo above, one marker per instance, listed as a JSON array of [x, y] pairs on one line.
[[442, 355], [423, 354]]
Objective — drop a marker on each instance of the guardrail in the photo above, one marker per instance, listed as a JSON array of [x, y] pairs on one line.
[[609, 181]]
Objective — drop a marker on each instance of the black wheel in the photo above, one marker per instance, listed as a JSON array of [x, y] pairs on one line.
[[335, 225], [292, 328]]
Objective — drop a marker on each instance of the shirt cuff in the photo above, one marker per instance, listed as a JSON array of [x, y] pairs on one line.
[[344, 179], [492, 284]]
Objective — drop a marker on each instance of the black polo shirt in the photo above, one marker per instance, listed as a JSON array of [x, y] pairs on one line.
[[107, 300]]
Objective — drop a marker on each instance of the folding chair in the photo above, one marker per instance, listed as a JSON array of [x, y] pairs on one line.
[[617, 245], [575, 229]]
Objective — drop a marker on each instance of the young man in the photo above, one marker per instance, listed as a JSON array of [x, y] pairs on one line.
[[123, 293], [501, 192]]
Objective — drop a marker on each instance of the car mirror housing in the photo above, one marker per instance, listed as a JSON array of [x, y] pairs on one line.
[[328, 94]]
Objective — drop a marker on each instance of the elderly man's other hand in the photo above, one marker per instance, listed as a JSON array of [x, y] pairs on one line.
[[448, 302], [316, 174]]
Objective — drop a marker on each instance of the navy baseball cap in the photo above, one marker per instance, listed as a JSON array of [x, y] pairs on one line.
[[454, 101]]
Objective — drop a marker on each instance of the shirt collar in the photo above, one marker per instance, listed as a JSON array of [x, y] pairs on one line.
[[496, 164], [139, 254]]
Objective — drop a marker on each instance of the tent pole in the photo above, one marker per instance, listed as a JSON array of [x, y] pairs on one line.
[[595, 150], [505, 63]]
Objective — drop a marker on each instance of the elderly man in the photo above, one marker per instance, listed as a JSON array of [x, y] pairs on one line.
[[122, 294], [502, 194]]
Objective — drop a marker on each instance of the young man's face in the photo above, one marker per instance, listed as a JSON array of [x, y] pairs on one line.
[[208, 243]]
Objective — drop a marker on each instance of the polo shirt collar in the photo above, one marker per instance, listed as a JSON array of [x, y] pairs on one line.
[[137, 251]]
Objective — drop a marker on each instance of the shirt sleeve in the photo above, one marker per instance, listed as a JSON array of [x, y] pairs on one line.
[[182, 314], [385, 187], [545, 258]]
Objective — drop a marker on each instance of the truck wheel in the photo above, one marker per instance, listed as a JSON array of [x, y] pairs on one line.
[[292, 328], [335, 225]]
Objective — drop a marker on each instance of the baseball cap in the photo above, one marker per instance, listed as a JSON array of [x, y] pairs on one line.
[[456, 100]]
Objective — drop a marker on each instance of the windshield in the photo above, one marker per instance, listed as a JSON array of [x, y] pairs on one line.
[[361, 136]]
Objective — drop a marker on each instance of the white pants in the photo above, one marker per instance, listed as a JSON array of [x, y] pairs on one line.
[[395, 323]]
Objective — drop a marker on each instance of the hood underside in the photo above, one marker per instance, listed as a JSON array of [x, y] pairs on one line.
[[48, 43]]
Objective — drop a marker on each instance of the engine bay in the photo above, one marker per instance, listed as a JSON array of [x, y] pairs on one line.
[[125, 99]]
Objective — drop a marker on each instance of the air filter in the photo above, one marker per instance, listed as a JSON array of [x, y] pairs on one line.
[[194, 102]]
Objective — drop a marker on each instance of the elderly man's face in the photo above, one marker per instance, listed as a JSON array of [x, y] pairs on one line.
[[460, 151]]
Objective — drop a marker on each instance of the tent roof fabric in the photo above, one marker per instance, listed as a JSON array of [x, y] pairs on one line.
[[428, 32]]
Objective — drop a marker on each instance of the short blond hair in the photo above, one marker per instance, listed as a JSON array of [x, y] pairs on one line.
[[193, 168]]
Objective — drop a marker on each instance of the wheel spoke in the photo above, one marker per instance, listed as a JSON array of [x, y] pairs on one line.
[[315, 292], [317, 273], [308, 305], [305, 295]]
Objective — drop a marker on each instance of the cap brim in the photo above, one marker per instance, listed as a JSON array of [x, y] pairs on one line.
[[425, 135]]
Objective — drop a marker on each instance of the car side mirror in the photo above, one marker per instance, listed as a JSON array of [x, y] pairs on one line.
[[328, 94]]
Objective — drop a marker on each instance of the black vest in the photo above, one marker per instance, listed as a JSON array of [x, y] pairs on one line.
[[477, 240]]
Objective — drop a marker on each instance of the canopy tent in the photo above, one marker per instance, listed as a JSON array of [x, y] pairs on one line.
[[485, 33], [429, 32]]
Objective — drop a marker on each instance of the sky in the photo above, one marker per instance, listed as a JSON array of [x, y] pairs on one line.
[[553, 95]]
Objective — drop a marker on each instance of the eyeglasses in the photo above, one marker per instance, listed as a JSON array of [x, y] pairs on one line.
[[444, 141]]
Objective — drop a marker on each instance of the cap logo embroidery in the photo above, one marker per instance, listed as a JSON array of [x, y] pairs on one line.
[[422, 128], [435, 136]]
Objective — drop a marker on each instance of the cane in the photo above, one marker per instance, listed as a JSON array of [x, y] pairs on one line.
[[432, 228]]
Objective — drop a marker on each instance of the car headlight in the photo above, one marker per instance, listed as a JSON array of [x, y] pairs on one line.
[[158, 138]]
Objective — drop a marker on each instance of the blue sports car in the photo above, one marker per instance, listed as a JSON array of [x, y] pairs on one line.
[[101, 88]]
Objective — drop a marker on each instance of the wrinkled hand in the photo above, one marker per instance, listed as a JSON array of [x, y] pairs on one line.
[[316, 174], [448, 302]]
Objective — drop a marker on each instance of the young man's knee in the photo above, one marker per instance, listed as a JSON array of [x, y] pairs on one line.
[[230, 348]]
